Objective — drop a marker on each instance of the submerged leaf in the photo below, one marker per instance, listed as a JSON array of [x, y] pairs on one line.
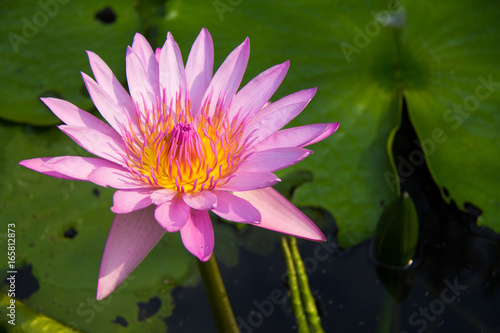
[[396, 236]]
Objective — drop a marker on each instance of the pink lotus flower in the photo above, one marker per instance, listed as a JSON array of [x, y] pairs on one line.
[[184, 143]]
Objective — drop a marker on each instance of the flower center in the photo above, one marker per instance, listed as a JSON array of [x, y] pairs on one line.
[[182, 154]]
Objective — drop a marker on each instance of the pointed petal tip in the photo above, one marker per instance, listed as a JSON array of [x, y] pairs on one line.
[[36, 164], [138, 35], [283, 67], [313, 91], [308, 94], [204, 258], [102, 293], [320, 237], [85, 77], [90, 53], [246, 44], [33, 164]]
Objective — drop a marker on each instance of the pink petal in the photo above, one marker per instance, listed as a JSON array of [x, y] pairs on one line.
[[198, 235], [131, 238], [98, 143], [281, 215], [157, 56], [233, 208], [204, 200], [299, 97], [256, 93], [110, 84], [163, 195], [127, 201], [143, 91], [246, 181], [74, 116], [172, 74], [38, 164], [144, 52], [116, 177], [107, 106], [77, 167], [298, 136], [273, 159], [199, 69], [172, 215], [228, 77], [276, 115]]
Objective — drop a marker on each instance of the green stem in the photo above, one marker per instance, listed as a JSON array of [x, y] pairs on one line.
[[307, 296], [298, 309], [217, 296]]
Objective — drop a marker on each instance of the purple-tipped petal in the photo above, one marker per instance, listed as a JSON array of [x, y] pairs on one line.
[[203, 200], [198, 235], [143, 91], [199, 69], [233, 208], [247, 181], [276, 115], [127, 201], [144, 52], [116, 177], [281, 215], [74, 116], [109, 109], [172, 74], [228, 77], [110, 84], [98, 143], [256, 93], [298, 136], [172, 215], [131, 238], [38, 165], [273, 159]]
